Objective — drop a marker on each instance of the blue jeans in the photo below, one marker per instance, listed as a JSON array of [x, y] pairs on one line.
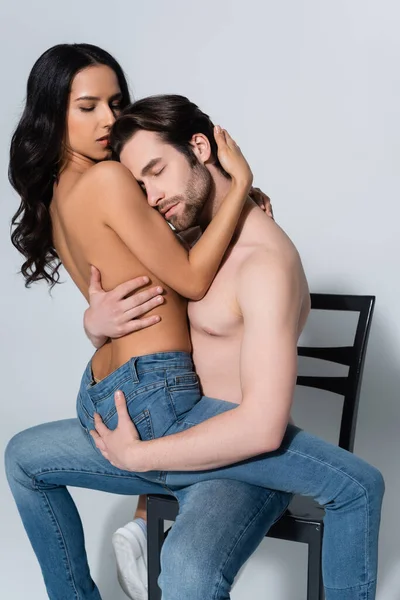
[[163, 398]]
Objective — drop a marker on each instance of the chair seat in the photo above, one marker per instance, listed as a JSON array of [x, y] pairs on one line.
[[305, 509], [302, 520]]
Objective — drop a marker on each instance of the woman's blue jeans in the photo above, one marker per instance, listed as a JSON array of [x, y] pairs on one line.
[[221, 521]]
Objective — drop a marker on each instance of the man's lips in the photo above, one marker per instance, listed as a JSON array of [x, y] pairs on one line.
[[167, 210]]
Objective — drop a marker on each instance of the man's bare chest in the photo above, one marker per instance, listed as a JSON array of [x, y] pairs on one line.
[[218, 313]]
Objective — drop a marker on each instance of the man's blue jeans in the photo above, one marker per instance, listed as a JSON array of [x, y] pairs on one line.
[[163, 397]]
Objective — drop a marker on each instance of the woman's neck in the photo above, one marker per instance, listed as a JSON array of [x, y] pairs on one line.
[[76, 163]]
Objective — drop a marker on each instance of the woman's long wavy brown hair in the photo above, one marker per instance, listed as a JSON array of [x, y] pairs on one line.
[[36, 151]]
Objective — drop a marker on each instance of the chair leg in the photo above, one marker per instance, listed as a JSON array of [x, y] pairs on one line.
[[155, 539], [315, 586]]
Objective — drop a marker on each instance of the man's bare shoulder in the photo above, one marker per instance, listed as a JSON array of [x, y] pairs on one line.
[[260, 232], [266, 263], [270, 273]]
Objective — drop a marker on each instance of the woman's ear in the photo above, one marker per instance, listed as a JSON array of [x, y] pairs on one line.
[[201, 147]]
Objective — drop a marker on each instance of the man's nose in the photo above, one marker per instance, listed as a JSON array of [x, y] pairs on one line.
[[154, 196]]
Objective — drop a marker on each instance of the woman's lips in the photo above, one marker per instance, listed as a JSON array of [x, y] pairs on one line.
[[104, 142]]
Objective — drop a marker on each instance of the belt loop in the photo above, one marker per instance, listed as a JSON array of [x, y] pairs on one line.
[[132, 364], [89, 373]]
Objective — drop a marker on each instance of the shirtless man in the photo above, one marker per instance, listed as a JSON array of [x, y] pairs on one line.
[[244, 336]]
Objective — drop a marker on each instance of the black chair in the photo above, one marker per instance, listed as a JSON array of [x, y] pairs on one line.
[[303, 520]]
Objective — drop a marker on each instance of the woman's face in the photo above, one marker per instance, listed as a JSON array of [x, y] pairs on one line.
[[94, 103]]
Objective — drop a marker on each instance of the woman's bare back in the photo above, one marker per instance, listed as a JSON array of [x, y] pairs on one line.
[[81, 239]]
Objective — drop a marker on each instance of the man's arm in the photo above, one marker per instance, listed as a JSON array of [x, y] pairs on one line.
[[270, 298], [118, 312]]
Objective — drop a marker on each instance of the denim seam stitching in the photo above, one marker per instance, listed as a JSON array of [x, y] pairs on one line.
[[141, 389], [171, 401], [183, 388], [63, 543], [354, 587], [49, 471], [165, 368], [322, 462], [149, 422]]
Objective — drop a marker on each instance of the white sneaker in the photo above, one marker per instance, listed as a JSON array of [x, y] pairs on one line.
[[130, 547]]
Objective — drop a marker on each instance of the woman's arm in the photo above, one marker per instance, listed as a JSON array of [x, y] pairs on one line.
[[149, 237]]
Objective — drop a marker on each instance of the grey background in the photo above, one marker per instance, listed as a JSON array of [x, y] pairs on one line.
[[311, 90]]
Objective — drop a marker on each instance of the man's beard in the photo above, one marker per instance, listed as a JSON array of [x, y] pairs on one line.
[[198, 191]]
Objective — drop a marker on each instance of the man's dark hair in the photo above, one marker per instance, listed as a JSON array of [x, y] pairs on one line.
[[173, 117]]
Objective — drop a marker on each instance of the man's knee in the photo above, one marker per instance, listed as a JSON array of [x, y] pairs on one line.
[[187, 573], [367, 481], [373, 481]]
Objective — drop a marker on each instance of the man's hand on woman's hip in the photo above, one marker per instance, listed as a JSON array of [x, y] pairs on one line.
[[118, 312]]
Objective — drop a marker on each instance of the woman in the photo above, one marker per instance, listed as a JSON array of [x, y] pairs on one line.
[[94, 212], [74, 93]]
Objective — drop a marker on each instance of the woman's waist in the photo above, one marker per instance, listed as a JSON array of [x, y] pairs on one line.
[[118, 351], [138, 371]]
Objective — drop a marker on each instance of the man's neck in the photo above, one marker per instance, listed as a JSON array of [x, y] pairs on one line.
[[219, 191], [220, 188]]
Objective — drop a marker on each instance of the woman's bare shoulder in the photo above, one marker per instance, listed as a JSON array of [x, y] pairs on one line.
[[108, 173], [107, 184]]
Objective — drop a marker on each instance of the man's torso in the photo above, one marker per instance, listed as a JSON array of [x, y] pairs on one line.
[[216, 323]]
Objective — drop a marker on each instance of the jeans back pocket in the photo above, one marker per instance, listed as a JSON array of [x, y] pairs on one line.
[[184, 391]]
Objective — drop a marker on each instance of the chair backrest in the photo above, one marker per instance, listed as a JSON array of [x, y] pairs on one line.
[[352, 356]]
